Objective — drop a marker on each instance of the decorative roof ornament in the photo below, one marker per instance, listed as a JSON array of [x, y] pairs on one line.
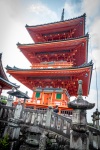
[[80, 91], [62, 16]]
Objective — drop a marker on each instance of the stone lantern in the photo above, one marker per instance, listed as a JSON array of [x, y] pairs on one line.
[[32, 138], [78, 135], [96, 118]]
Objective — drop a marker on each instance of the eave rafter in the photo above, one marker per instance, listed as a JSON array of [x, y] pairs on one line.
[[55, 83], [57, 50], [65, 34], [51, 31], [56, 78], [65, 55]]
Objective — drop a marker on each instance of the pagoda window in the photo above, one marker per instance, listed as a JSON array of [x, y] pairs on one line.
[[58, 96], [37, 95]]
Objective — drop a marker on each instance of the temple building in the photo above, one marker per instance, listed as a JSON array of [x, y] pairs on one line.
[[5, 84], [59, 58]]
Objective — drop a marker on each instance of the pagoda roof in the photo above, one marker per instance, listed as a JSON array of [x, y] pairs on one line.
[[4, 82], [58, 77], [33, 51], [7, 84], [74, 67], [18, 94], [84, 15], [39, 30], [2, 73]]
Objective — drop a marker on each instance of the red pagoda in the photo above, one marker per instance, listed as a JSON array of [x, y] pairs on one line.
[[59, 58]]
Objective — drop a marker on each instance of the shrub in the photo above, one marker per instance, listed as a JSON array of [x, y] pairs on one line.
[[3, 101], [4, 143]]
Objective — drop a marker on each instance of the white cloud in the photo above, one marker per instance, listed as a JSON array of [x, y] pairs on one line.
[[96, 58], [43, 11], [92, 98], [70, 10], [12, 30], [94, 33], [92, 10], [91, 7]]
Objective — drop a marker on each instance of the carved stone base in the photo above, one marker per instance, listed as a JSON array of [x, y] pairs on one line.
[[96, 141], [79, 141], [12, 132], [27, 147], [43, 141]]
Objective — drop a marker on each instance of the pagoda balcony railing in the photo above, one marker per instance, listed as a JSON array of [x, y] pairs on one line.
[[38, 101], [52, 65], [53, 103], [61, 103]]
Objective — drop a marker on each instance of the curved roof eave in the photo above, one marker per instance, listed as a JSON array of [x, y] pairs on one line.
[[84, 15], [76, 67], [87, 36], [3, 74], [9, 83]]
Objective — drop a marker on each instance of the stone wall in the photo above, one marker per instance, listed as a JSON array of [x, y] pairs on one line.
[[35, 129]]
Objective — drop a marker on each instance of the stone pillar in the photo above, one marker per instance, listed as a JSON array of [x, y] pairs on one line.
[[96, 137], [13, 128], [10, 100], [43, 141], [95, 119], [48, 117], [24, 105], [79, 139], [96, 141], [31, 142]]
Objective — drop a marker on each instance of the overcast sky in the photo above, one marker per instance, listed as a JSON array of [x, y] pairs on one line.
[[15, 14]]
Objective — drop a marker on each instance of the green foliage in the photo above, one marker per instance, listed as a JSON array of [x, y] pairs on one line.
[[4, 143], [3, 100], [90, 124], [49, 143]]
